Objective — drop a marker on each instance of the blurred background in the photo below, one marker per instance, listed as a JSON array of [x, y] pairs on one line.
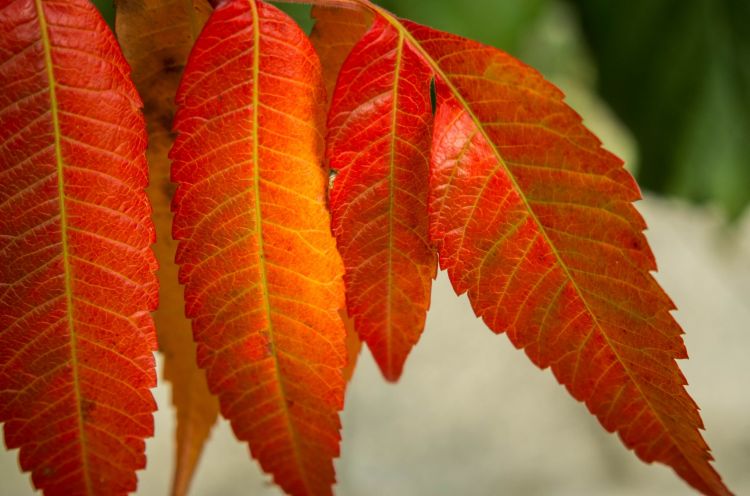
[[666, 85]]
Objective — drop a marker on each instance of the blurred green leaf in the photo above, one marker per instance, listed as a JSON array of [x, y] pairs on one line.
[[299, 12], [498, 23], [107, 10], [678, 73]]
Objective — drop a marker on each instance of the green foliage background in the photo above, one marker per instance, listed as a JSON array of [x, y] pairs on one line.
[[675, 72]]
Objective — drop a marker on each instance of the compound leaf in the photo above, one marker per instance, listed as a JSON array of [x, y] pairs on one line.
[[535, 221]]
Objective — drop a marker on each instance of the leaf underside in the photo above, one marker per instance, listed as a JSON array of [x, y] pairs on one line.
[[76, 270], [156, 39], [263, 279]]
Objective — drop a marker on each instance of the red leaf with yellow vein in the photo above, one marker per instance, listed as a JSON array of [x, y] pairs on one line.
[[534, 220], [76, 270], [531, 217], [380, 126], [528, 214], [263, 279], [156, 38]]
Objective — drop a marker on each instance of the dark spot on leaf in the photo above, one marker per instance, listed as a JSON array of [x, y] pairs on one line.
[[433, 96], [168, 188], [87, 407], [332, 177], [165, 120], [171, 66]]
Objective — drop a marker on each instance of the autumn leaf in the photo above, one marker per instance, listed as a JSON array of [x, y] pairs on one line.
[[380, 126], [76, 270], [535, 221], [156, 40], [263, 279], [333, 36]]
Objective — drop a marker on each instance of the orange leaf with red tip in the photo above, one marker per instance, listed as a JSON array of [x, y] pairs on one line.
[[76, 269], [263, 279], [380, 125]]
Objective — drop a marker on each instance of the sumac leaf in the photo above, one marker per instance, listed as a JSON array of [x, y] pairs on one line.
[[262, 275], [380, 126], [535, 221], [334, 34], [76, 269], [156, 38]]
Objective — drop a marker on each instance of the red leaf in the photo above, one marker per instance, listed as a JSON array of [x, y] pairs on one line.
[[76, 269], [534, 220], [379, 136], [263, 279]]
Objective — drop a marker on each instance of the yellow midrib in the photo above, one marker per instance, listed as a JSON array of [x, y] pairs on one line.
[[47, 46], [391, 200], [261, 252]]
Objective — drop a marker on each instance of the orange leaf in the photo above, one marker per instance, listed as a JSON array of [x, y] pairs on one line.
[[156, 40], [76, 270], [263, 279], [334, 34], [353, 346], [534, 220], [380, 126]]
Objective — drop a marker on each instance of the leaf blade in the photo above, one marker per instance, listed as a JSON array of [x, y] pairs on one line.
[[528, 112], [263, 280], [334, 34], [379, 129], [156, 40], [76, 258]]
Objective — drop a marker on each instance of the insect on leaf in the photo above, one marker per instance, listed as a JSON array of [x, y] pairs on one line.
[[76, 269], [156, 39], [262, 275]]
